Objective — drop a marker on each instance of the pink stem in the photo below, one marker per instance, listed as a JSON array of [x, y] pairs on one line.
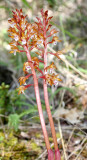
[[49, 111], [57, 155], [38, 101], [46, 96], [50, 155]]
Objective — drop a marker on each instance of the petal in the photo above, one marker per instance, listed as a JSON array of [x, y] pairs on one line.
[[53, 31]]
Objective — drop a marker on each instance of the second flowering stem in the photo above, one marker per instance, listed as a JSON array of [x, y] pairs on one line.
[[57, 153], [38, 101]]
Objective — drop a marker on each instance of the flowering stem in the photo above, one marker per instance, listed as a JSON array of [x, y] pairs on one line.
[[48, 109], [57, 153], [46, 97], [38, 101], [49, 115]]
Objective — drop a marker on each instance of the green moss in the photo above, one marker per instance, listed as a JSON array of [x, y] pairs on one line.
[[12, 148], [58, 135], [38, 135], [50, 139], [35, 147]]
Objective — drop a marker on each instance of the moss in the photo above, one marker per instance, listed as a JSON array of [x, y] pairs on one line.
[[12, 148], [35, 147], [38, 135], [50, 139], [58, 135]]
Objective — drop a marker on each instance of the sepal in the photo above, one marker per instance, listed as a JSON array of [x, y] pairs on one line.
[[57, 155], [50, 155]]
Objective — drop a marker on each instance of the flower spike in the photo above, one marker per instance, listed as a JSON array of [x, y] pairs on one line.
[[51, 78]]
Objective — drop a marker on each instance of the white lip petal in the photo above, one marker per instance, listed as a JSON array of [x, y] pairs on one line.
[[23, 26], [16, 38], [28, 68], [9, 19], [55, 43], [32, 36], [51, 70], [45, 72], [25, 83], [55, 82], [38, 45], [32, 30], [39, 56], [12, 24], [24, 41], [14, 52]]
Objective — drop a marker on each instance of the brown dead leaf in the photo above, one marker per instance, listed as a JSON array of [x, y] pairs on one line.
[[72, 115]]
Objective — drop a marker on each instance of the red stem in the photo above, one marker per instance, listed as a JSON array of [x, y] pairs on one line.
[[38, 101], [46, 95], [48, 106]]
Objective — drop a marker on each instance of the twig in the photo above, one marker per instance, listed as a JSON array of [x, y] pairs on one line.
[[70, 136], [60, 131], [77, 148], [80, 151], [69, 64]]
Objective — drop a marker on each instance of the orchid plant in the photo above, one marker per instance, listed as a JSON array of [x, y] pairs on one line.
[[35, 37]]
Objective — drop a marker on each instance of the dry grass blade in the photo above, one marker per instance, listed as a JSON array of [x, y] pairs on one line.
[[60, 131], [69, 64], [77, 149]]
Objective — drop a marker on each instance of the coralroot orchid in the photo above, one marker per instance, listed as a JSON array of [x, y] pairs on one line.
[[29, 36]]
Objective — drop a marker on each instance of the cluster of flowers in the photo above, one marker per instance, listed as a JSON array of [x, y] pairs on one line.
[[33, 36]]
